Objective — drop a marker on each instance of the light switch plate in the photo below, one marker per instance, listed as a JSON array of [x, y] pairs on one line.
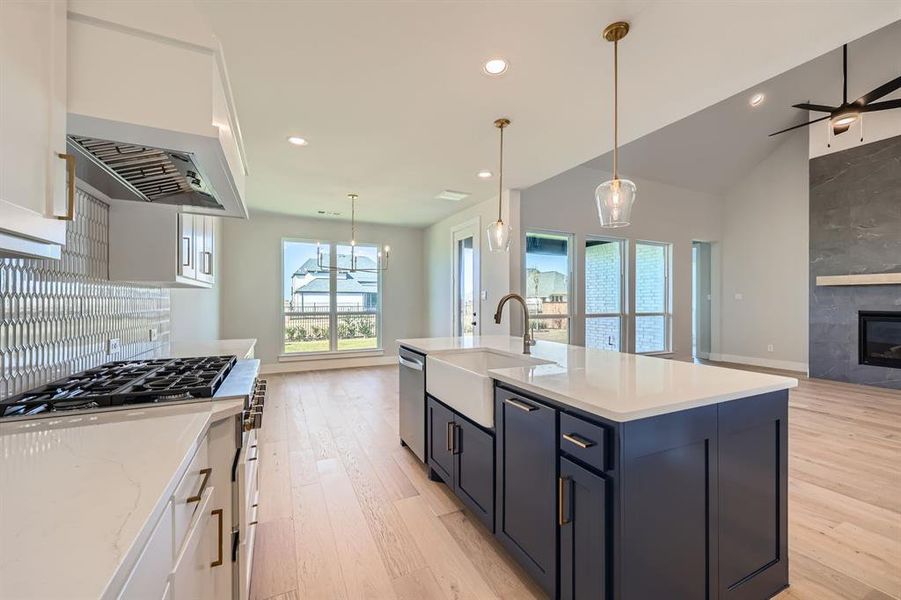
[[484, 295], [154, 334], [112, 346]]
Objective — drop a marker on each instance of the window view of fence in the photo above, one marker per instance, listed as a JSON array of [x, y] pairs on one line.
[[547, 285], [328, 308]]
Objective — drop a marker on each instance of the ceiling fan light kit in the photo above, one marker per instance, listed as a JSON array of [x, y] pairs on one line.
[[843, 116], [615, 197], [381, 260], [499, 233]]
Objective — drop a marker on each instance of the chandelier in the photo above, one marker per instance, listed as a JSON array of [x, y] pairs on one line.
[[353, 264]]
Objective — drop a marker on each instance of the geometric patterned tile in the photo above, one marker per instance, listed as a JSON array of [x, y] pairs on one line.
[[57, 315]]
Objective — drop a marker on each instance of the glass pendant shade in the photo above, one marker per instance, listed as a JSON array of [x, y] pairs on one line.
[[499, 236], [614, 199]]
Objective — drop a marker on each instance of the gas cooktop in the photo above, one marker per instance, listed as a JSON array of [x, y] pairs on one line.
[[124, 383]]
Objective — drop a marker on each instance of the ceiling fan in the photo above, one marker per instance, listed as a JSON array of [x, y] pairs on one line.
[[843, 116]]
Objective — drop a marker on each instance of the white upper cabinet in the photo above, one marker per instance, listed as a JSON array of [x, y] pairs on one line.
[[145, 76], [33, 175], [161, 246]]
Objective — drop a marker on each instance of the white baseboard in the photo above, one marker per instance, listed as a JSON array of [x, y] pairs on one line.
[[785, 365], [327, 364]]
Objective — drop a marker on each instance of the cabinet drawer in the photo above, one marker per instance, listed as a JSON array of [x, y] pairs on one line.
[[189, 493], [583, 440], [192, 577], [148, 578]]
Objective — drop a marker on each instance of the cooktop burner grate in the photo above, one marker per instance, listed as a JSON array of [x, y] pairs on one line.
[[123, 383]]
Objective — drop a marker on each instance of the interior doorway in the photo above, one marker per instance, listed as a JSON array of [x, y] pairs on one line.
[[701, 297], [466, 288]]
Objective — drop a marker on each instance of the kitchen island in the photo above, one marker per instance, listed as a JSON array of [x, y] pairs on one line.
[[610, 475]]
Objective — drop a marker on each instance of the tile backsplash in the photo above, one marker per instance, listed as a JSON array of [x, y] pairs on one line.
[[57, 316]]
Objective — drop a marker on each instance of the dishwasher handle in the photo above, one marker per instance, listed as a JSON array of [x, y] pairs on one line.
[[410, 363]]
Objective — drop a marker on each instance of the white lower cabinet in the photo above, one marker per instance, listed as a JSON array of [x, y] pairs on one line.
[[150, 576], [192, 575], [188, 556]]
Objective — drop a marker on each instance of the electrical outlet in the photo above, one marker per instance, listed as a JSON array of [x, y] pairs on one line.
[[769, 347], [112, 346], [739, 296], [484, 295], [154, 334]]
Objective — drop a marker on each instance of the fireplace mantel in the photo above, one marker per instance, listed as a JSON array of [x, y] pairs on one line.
[[860, 279]]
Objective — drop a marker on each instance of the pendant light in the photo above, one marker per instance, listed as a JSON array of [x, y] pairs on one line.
[[615, 197], [381, 261], [499, 232]]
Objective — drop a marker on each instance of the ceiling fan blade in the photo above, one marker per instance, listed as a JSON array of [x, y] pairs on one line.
[[884, 105], [882, 90], [801, 125], [815, 107]]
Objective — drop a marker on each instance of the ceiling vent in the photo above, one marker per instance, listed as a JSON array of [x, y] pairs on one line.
[[452, 195]]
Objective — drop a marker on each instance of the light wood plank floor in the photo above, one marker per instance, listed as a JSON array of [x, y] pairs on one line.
[[345, 512]]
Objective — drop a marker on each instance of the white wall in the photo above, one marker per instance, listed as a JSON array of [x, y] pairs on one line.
[[494, 269], [765, 260], [663, 213], [252, 281], [194, 313]]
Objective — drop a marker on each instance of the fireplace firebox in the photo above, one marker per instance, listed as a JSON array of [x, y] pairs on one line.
[[880, 338]]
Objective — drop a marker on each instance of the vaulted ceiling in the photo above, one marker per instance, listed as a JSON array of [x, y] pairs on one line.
[[396, 108]]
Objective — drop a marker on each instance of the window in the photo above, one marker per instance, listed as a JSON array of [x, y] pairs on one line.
[[325, 310], [604, 293], [548, 284], [653, 313]]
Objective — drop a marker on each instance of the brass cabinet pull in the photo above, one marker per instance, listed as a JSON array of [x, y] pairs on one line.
[[206, 478], [450, 443], [520, 405], [578, 440], [218, 513], [70, 186], [561, 515]]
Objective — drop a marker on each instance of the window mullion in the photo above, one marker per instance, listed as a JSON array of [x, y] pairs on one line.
[[333, 297]]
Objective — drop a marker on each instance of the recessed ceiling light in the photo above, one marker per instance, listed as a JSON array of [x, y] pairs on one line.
[[495, 66], [757, 99], [297, 140], [484, 174]]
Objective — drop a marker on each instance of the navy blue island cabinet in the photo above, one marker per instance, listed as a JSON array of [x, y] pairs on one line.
[[461, 454], [688, 505]]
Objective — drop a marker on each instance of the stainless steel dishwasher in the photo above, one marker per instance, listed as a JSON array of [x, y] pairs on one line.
[[411, 395]]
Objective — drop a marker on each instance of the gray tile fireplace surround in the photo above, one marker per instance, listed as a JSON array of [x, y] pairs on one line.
[[855, 227]]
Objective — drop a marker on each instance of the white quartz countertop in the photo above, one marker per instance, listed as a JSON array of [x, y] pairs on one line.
[[613, 385], [242, 348], [79, 494]]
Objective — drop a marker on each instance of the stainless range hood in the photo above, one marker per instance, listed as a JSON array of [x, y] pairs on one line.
[[141, 173]]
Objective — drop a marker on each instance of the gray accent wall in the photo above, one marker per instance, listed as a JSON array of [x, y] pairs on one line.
[[855, 227]]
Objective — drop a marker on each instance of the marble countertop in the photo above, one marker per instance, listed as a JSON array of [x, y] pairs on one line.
[[81, 493], [613, 385]]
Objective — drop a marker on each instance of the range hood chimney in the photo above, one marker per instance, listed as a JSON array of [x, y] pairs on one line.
[[141, 173]]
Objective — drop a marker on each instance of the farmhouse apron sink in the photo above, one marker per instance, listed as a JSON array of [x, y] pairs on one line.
[[461, 380]]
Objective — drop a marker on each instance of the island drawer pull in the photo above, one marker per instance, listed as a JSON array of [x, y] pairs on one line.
[[206, 478], [520, 405], [218, 513], [578, 440]]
